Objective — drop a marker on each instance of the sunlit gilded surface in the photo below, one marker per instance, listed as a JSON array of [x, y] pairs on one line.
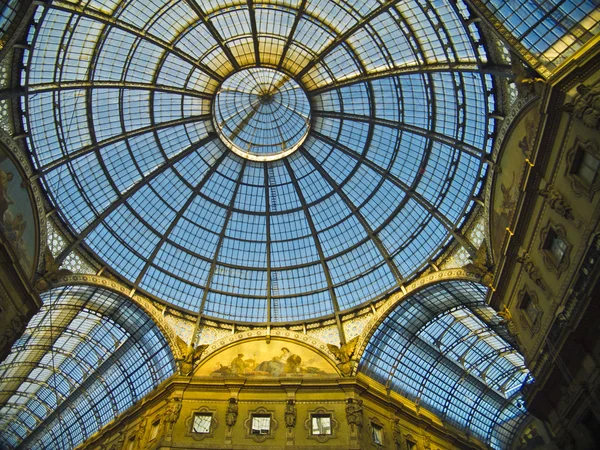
[[446, 349], [119, 114], [85, 357]]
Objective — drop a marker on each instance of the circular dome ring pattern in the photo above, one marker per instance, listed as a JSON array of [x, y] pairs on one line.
[[121, 129], [261, 114]]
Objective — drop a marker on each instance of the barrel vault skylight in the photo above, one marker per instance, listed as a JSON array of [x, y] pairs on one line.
[[259, 161]]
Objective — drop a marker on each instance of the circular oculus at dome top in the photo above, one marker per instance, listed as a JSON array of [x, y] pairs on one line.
[[261, 114], [261, 161]]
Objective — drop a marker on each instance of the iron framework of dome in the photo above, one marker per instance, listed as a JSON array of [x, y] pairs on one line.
[[379, 179]]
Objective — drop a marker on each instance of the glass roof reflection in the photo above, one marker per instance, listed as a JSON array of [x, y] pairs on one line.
[[120, 114], [446, 349]]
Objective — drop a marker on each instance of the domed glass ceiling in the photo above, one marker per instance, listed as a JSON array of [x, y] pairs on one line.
[[355, 169]]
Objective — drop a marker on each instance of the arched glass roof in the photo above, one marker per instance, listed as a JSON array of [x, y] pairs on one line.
[[444, 348], [84, 358], [119, 110]]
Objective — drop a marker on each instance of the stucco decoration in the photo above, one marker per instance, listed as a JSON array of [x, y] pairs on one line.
[[279, 358], [516, 158], [149, 307], [393, 300]]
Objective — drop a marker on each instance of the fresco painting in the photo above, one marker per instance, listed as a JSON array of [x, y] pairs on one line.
[[16, 213], [257, 358], [517, 148]]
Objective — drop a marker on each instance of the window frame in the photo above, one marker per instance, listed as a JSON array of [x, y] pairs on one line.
[[261, 412], [526, 297], [321, 412], [548, 235], [575, 156], [189, 423]]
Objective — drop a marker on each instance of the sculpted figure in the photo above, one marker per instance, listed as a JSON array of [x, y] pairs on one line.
[[586, 106], [344, 355], [290, 414], [172, 411], [232, 413], [354, 414]]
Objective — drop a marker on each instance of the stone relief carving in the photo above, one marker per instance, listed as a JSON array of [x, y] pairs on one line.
[[397, 434], [557, 202], [51, 274], [192, 354], [290, 414], [232, 413], [354, 414], [530, 269], [480, 266], [586, 106], [171, 413]]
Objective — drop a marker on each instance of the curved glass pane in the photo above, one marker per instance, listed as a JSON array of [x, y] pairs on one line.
[[550, 29], [84, 358], [120, 111], [444, 348]]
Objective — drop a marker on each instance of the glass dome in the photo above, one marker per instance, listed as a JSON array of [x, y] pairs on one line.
[[342, 161]]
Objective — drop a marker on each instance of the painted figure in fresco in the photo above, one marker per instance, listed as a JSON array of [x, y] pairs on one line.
[[5, 201], [287, 362], [238, 366]]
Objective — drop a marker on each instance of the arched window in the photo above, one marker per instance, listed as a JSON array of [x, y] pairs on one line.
[[446, 350], [85, 357]]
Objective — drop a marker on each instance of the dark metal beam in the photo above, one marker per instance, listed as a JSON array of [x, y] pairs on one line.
[[345, 35], [106, 19], [254, 31], [313, 230], [398, 71], [452, 142], [180, 213], [213, 31], [120, 137], [290, 38], [213, 265], [363, 221], [95, 84], [135, 188]]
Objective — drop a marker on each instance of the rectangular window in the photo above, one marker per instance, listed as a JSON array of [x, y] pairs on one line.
[[321, 424], [154, 430], [556, 246], [261, 424], [586, 166], [202, 423], [529, 308], [377, 433]]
